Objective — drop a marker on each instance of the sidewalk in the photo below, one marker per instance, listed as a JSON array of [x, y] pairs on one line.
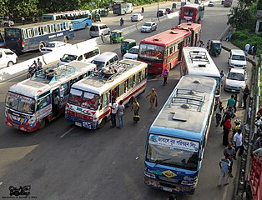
[[240, 114]]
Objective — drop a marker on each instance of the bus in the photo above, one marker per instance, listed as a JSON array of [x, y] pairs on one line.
[[177, 138], [228, 3], [192, 12], [30, 37], [2, 41], [80, 18], [90, 99], [29, 105], [196, 61], [163, 50]]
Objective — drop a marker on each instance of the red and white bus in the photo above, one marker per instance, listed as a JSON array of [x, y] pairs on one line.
[[90, 99], [30, 103], [164, 50], [192, 12]]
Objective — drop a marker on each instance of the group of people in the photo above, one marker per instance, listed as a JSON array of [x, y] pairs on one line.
[[253, 49], [36, 66]]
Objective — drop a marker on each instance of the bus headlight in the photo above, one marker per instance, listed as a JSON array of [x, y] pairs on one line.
[[149, 175], [32, 120], [193, 182]]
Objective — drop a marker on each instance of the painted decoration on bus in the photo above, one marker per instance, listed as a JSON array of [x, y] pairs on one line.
[[174, 143]]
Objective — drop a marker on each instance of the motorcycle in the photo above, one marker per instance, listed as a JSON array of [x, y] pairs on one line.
[[121, 22], [142, 10]]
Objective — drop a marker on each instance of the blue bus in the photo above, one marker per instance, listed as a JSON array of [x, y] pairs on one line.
[[177, 138], [80, 18], [35, 36]]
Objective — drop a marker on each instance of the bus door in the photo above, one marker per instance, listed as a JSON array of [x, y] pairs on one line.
[[56, 102], [64, 94], [44, 106], [180, 48]]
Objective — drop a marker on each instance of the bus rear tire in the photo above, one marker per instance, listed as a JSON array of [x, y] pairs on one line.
[[65, 40], [42, 123], [41, 45]]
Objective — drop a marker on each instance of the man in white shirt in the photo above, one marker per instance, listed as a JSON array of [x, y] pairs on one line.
[[247, 47], [113, 113], [238, 138]]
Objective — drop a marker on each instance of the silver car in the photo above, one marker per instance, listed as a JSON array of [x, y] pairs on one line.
[[149, 27]]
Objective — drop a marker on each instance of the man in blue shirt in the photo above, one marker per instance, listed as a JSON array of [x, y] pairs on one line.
[[231, 102], [224, 165]]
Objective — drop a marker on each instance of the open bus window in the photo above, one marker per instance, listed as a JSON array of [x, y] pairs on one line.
[[172, 152], [151, 51], [43, 102], [20, 103]]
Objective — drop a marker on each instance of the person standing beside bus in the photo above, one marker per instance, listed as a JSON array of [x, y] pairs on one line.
[[113, 113], [165, 75], [56, 104], [39, 64], [136, 108], [120, 112], [152, 98]]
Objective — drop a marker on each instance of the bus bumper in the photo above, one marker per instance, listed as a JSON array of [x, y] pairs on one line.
[[81, 122], [21, 127], [169, 187]]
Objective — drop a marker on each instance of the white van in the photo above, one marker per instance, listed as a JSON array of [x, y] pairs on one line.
[[97, 30], [105, 59], [237, 59], [83, 54], [235, 80]]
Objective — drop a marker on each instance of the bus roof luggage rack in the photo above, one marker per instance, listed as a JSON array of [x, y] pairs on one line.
[[198, 56], [110, 72], [55, 73], [188, 98]]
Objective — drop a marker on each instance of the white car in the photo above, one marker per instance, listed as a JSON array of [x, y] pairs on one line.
[[211, 4], [237, 59], [7, 58], [136, 17], [132, 53], [235, 81], [54, 46], [149, 27]]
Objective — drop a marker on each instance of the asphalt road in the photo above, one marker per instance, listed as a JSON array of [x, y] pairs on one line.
[[68, 162]]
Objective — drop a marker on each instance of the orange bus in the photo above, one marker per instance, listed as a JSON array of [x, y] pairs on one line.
[[163, 50]]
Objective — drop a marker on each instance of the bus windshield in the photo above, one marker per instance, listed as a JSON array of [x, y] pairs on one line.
[[12, 32], [151, 51], [20, 103], [173, 152], [84, 99], [188, 11]]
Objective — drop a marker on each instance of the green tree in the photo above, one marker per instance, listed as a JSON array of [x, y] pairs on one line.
[[21, 8], [58, 5]]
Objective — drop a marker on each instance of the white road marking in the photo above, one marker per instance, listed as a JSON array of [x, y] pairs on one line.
[[67, 132], [1, 183]]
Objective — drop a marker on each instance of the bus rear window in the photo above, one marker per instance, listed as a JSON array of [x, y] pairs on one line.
[[12, 32], [151, 51]]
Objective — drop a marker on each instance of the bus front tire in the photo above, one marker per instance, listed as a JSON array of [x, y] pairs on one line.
[[42, 124], [102, 124], [41, 45], [10, 64]]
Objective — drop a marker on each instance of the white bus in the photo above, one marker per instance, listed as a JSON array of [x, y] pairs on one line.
[[197, 61], [30, 103], [90, 99]]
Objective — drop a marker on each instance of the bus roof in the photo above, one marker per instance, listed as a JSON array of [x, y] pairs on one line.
[[39, 24], [189, 25], [191, 5], [186, 109], [167, 37], [98, 85], [51, 78], [67, 12], [199, 62]]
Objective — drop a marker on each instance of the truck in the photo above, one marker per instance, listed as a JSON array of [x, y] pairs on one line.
[[122, 8], [228, 3]]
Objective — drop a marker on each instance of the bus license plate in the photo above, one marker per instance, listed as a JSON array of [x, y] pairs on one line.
[[78, 124], [233, 90], [167, 189]]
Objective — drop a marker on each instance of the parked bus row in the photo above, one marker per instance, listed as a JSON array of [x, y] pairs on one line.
[[80, 19], [164, 50]]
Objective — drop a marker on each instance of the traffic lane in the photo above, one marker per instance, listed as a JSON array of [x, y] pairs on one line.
[[85, 162]]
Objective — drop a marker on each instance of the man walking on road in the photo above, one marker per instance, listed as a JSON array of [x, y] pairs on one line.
[[152, 98], [120, 112], [224, 165], [230, 150], [231, 102], [247, 47], [238, 140], [246, 92]]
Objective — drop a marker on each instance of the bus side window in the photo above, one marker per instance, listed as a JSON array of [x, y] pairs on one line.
[[170, 50], [121, 88], [64, 89], [29, 33], [115, 92], [46, 30], [51, 28], [126, 86], [130, 83], [134, 80], [24, 34], [43, 102]]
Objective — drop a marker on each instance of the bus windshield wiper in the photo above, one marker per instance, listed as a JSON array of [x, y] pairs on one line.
[[161, 161]]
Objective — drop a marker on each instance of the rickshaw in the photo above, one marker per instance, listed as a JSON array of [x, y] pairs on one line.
[[215, 47], [116, 36], [96, 17], [127, 44], [104, 13]]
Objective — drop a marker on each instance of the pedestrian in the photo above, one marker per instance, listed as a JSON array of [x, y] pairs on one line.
[[246, 93], [152, 99], [230, 150], [229, 34], [247, 47], [114, 109], [201, 44], [235, 105], [226, 130], [219, 110], [208, 45], [222, 74], [136, 108], [238, 137], [120, 112], [165, 75], [55, 105], [224, 165], [254, 50], [229, 114], [231, 101], [39, 64], [23, 20]]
